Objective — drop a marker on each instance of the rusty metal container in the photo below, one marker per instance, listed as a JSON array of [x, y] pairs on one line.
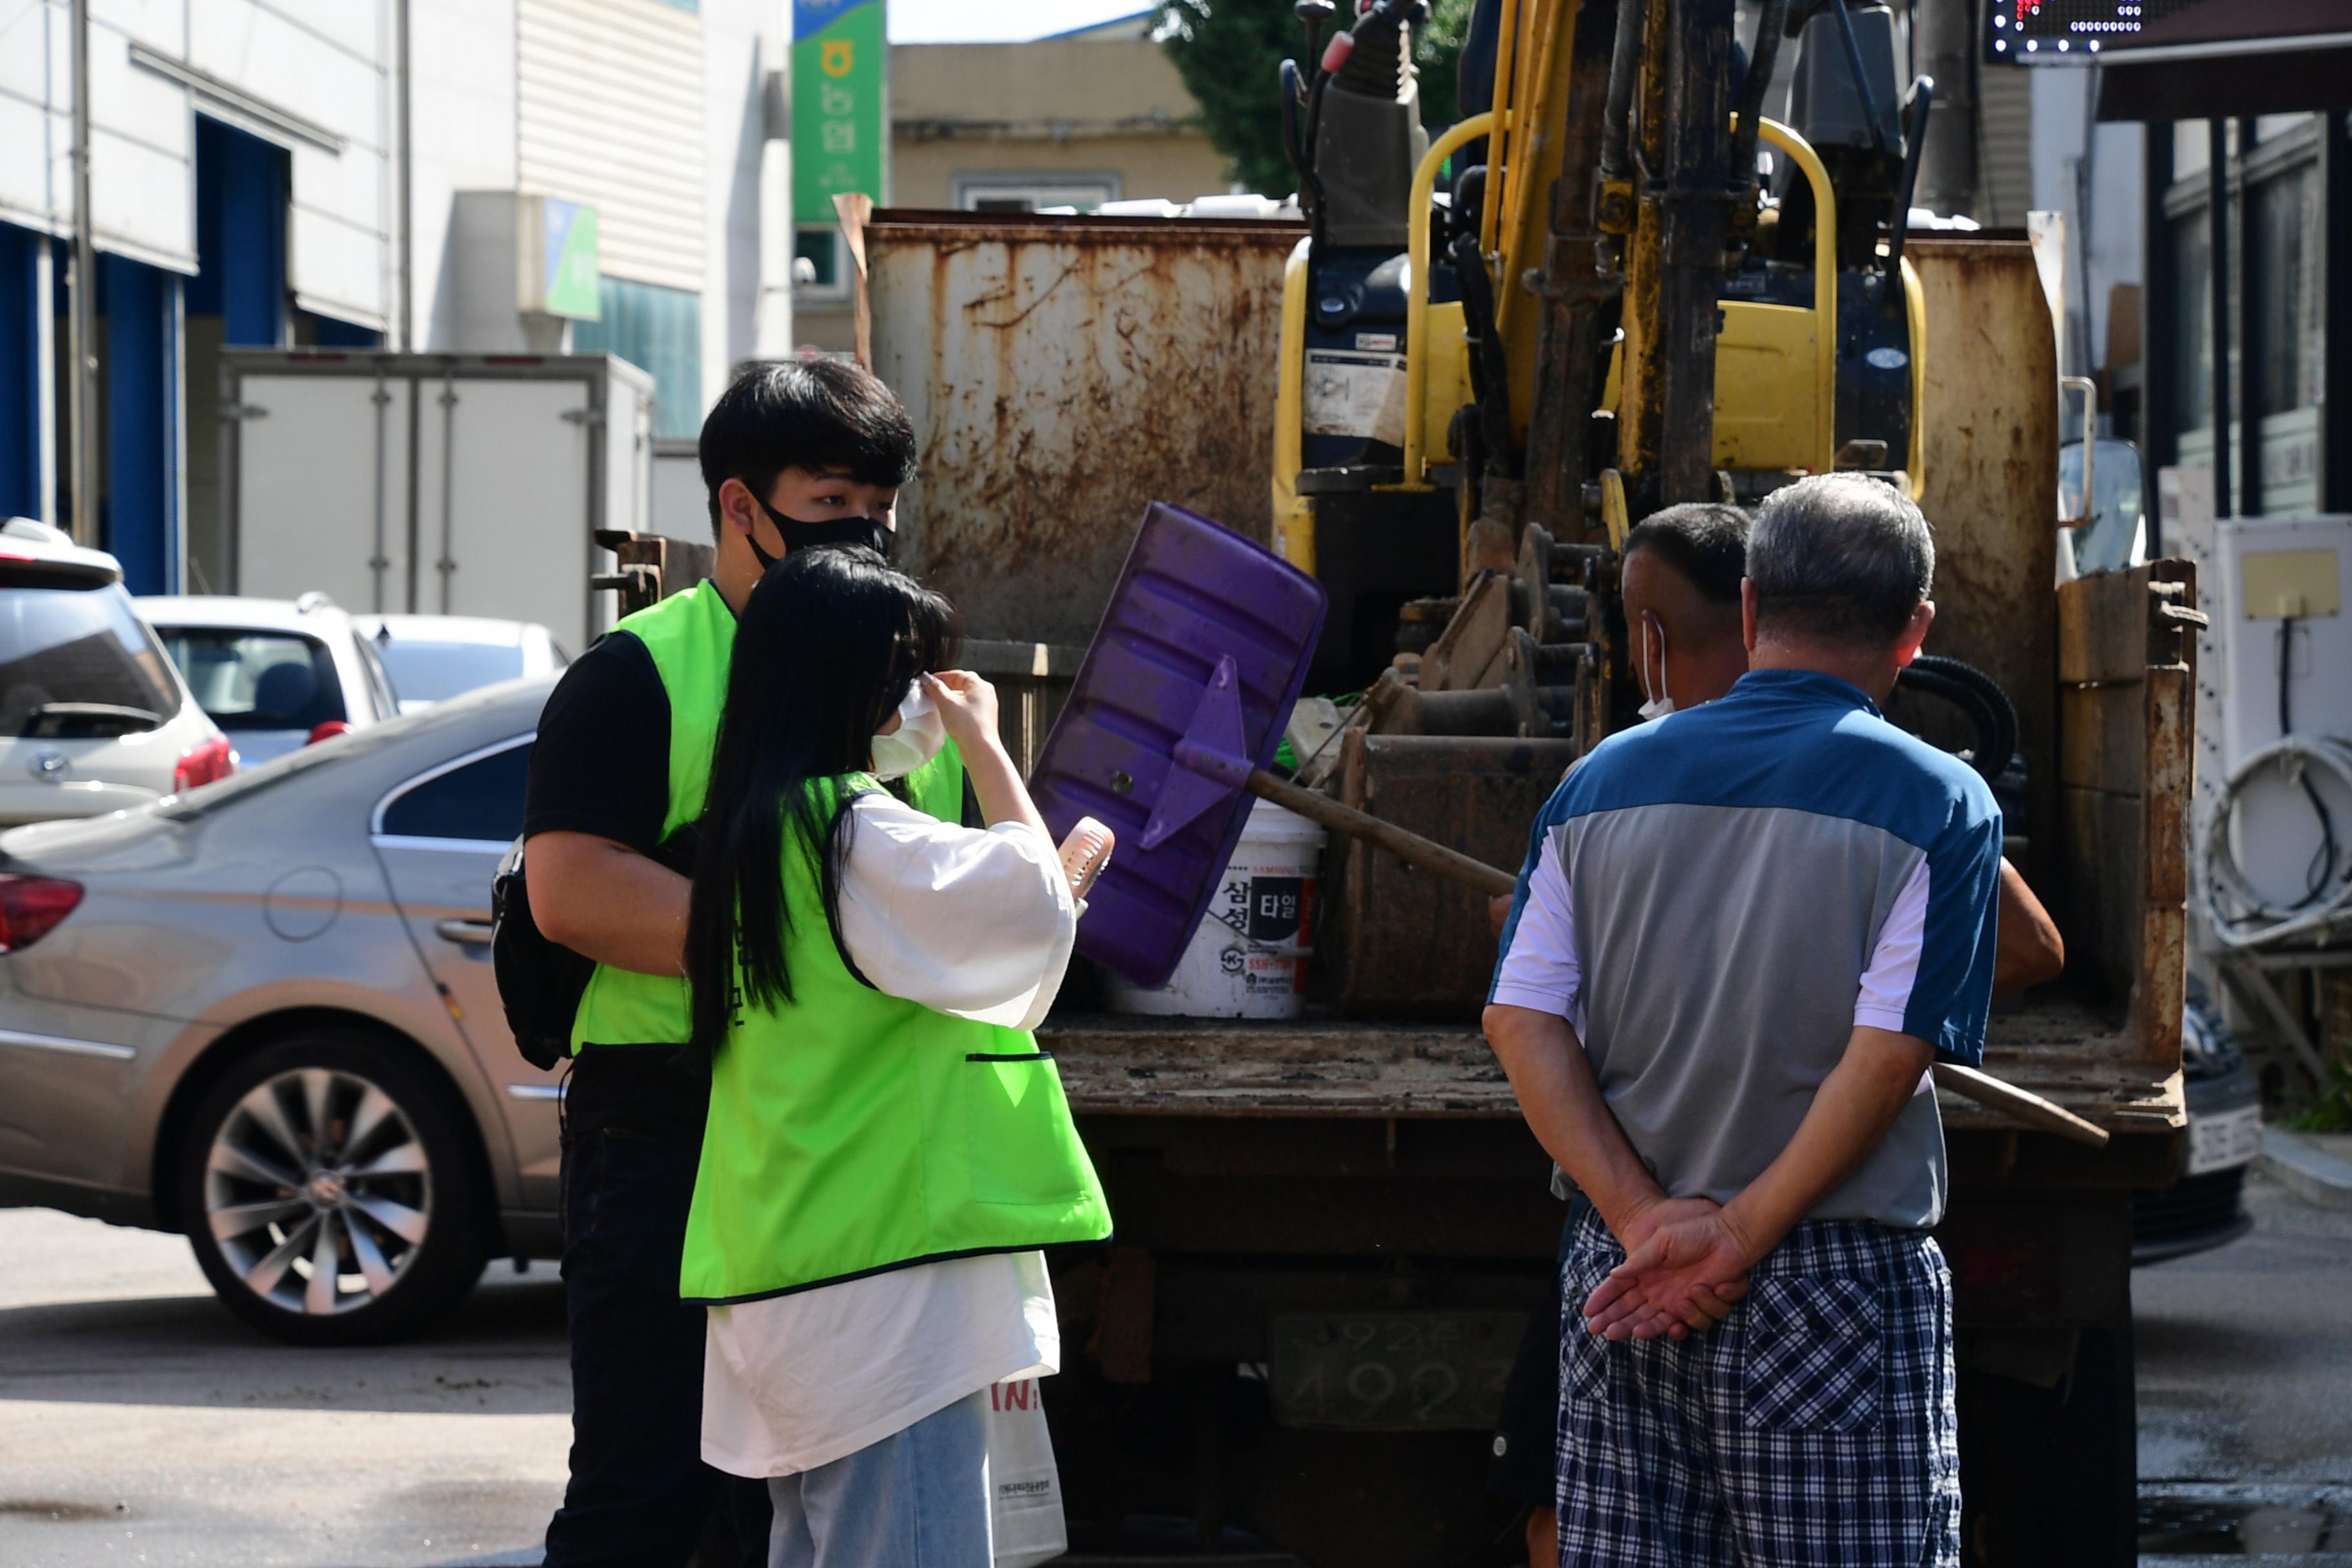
[[1061, 372], [1988, 421], [1401, 943]]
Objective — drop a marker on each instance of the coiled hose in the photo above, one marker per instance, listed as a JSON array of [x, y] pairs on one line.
[[2234, 908], [1975, 694]]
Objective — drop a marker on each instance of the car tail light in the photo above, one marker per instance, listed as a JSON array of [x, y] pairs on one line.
[[200, 765], [31, 907], [328, 732]]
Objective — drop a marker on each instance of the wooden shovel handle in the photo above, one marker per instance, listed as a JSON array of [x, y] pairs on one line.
[[1409, 848], [2016, 1103]]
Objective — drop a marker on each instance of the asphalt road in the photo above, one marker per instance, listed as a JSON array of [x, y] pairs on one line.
[[140, 1424], [2245, 1387]]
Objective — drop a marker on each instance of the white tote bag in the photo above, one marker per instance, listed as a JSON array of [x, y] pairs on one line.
[[1024, 1490]]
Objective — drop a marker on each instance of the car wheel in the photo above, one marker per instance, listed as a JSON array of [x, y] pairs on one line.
[[327, 1187]]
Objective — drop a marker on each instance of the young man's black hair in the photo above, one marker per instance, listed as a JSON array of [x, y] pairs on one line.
[[825, 416], [1706, 542]]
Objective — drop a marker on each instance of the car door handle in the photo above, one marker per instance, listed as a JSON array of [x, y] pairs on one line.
[[466, 933]]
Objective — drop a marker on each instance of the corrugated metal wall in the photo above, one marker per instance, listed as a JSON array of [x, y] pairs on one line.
[[609, 112], [2004, 145]]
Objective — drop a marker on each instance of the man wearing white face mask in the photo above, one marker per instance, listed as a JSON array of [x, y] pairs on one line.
[[1682, 573], [1682, 567]]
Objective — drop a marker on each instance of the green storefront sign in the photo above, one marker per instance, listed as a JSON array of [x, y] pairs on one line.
[[841, 122]]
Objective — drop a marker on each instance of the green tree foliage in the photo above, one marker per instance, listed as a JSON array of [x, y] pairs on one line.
[[1230, 54]]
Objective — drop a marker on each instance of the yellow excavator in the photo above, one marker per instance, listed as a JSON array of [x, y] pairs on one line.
[[1591, 297], [1668, 258]]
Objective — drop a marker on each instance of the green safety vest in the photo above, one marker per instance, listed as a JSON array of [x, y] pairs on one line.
[[851, 1133], [691, 636]]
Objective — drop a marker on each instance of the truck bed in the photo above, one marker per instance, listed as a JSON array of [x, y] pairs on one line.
[[1328, 1066]]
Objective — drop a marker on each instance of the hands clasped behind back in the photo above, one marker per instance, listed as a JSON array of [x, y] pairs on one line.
[[1685, 1267]]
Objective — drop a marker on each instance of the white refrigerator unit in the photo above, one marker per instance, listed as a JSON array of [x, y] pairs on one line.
[[2280, 596], [436, 484]]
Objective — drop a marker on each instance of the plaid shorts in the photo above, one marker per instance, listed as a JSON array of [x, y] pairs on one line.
[[1815, 1426]]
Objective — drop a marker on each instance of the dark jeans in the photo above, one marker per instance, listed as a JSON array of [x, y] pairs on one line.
[[640, 1493], [1527, 1436]]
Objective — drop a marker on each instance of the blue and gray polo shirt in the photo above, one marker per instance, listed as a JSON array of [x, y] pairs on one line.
[[1716, 898]]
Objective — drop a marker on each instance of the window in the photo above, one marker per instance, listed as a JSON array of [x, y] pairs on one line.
[[76, 663], [429, 672], [477, 800], [1019, 193], [249, 679], [821, 248], [2285, 235], [659, 330]]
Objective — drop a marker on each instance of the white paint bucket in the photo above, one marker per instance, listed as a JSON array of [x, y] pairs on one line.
[[1248, 959]]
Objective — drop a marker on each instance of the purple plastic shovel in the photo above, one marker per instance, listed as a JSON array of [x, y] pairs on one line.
[[1198, 661], [1174, 715]]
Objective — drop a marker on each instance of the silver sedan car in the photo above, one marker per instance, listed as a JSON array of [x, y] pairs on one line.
[[263, 1014]]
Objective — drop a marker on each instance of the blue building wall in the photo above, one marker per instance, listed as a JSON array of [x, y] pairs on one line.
[[21, 392], [139, 516], [241, 196]]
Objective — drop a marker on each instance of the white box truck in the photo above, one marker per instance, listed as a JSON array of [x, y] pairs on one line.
[[437, 484]]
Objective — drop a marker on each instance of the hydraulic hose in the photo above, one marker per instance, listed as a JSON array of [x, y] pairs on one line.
[[1761, 61], [1292, 100], [1978, 695], [1923, 103], [1861, 75], [1617, 113]]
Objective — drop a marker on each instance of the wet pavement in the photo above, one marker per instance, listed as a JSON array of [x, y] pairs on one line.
[[2245, 1392], [139, 1423]]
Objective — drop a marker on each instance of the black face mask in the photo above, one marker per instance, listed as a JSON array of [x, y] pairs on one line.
[[867, 533]]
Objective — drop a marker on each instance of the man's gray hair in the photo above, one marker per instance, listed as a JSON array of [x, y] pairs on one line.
[[1841, 557]]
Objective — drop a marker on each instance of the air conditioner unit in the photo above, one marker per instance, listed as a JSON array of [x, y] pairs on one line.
[[2278, 601]]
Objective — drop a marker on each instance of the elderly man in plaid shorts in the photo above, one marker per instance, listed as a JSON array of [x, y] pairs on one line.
[[1743, 934]]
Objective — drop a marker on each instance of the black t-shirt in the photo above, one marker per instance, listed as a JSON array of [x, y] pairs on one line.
[[602, 762], [601, 766]]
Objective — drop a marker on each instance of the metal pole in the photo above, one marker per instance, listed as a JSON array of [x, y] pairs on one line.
[[407, 256], [2216, 273], [2335, 273], [1666, 433], [2159, 306], [2085, 189], [448, 561], [2246, 402], [82, 291]]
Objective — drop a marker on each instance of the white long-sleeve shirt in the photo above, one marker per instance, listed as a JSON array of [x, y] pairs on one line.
[[974, 924]]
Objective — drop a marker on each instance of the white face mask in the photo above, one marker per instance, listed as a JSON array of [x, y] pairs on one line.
[[916, 740], [1659, 706]]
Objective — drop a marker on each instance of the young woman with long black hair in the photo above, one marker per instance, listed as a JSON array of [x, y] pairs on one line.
[[887, 1147]]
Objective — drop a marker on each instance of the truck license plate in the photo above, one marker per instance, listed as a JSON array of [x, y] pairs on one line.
[[1392, 1372], [2218, 1142]]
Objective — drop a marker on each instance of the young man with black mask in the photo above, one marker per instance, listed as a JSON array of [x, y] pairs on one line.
[[794, 456]]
